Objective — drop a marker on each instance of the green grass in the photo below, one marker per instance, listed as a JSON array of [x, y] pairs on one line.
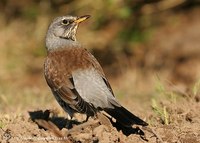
[[161, 112], [196, 88], [170, 106], [1, 124]]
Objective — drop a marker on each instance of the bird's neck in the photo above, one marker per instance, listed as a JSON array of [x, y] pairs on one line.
[[59, 43]]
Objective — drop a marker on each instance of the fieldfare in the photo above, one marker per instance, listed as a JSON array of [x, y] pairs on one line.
[[75, 76]]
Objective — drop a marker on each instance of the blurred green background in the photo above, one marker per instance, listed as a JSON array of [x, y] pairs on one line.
[[136, 42]]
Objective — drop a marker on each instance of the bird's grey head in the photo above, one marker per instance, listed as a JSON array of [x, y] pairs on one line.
[[62, 31]]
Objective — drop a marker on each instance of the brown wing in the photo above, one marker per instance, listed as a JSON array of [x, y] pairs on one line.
[[58, 73]]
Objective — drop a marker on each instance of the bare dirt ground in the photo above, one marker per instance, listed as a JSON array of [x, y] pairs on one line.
[[172, 111], [180, 123]]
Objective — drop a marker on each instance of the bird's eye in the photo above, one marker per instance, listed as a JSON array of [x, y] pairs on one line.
[[65, 22]]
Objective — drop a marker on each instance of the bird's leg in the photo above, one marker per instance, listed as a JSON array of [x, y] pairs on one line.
[[87, 117]]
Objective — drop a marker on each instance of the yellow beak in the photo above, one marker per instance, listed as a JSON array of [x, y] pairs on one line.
[[82, 18]]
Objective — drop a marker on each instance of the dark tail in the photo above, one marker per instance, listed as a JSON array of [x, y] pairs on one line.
[[124, 117]]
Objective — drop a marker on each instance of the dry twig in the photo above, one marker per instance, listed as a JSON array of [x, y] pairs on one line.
[[54, 129], [154, 133]]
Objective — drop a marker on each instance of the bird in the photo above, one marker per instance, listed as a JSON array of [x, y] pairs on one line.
[[76, 78]]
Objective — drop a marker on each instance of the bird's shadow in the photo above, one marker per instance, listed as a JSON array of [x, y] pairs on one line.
[[62, 122], [129, 130]]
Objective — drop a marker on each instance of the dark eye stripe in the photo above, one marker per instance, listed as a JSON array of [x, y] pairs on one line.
[[71, 21]]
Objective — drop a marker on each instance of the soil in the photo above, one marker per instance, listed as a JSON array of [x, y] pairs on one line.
[[47, 126]]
